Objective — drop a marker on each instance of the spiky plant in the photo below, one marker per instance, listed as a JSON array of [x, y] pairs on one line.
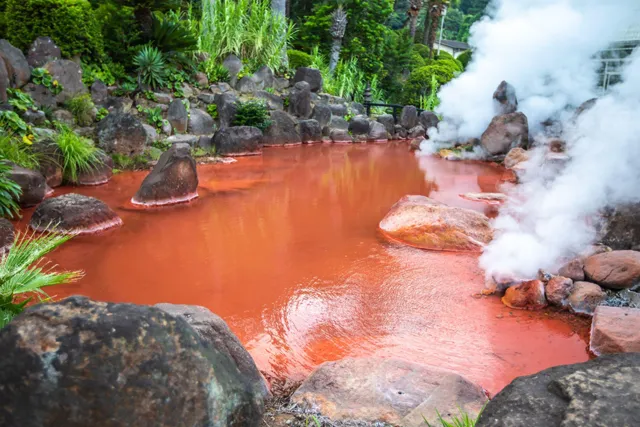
[[23, 273], [9, 193], [339, 23], [150, 65], [78, 154], [171, 34]]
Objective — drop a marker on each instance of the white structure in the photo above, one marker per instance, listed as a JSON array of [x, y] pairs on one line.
[[614, 58], [453, 47]]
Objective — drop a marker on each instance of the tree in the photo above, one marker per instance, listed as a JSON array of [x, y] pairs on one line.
[[413, 12], [435, 9], [143, 9], [338, 28]]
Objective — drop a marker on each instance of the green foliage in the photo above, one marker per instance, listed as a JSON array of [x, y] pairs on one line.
[[20, 100], [172, 35], [465, 58], [422, 50], [464, 420], [419, 82], [23, 272], [120, 31], [70, 23], [161, 145], [79, 154], [81, 106], [398, 52], [107, 72], [298, 59], [215, 72], [175, 81], [126, 88], [124, 162], [150, 65], [431, 101], [11, 123], [154, 115], [252, 113], [9, 191], [417, 61], [18, 152], [212, 109], [41, 76], [102, 113]]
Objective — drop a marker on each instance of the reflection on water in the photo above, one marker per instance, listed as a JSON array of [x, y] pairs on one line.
[[285, 247]]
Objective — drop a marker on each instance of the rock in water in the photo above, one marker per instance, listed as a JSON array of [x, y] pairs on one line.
[[585, 297], [378, 132], [283, 130], [74, 214], [526, 296], [515, 156], [615, 270], [174, 179], [238, 141], [387, 390], [310, 131], [99, 174], [427, 224], [506, 132], [7, 234], [32, 183], [82, 363], [505, 99], [615, 330], [604, 392], [558, 290]]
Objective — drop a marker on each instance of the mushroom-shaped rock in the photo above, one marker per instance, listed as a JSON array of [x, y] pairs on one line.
[[377, 390], [85, 363], [74, 214], [174, 179], [526, 296], [615, 330], [238, 141], [506, 132], [615, 270], [32, 183], [427, 224], [7, 234]]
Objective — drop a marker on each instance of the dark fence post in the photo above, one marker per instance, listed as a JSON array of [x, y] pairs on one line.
[[367, 98]]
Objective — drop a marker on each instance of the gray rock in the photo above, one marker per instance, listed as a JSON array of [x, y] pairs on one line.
[[310, 131], [428, 120], [191, 140], [238, 140], [93, 361], [263, 78], [74, 214], [322, 114], [121, 133], [621, 227], [36, 118], [64, 116], [86, 132], [163, 98], [505, 100], [359, 126], [100, 173], [50, 160], [42, 50], [32, 183], [378, 132], [506, 132], [246, 85], [338, 123], [7, 234], [205, 142], [283, 130], [357, 108], [233, 64], [417, 132], [340, 135], [603, 392], [122, 104], [388, 121], [40, 95], [300, 100], [15, 63], [221, 88], [274, 102], [338, 109], [166, 128], [207, 98], [409, 117], [280, 84], [311, 76], [200, 122], [227, 104], [99, 92], [399, 132], [178, 116], [152, 133], [69, 75], [188, 91], [5, 81]]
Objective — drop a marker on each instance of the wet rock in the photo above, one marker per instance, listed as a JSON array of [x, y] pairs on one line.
[[615, 330], [515, 156], [64, 116], [428, 119], [7, 234], [340, 135], [310, 131], [300, 100], [337, 123], [594, 393], [322, 114], [392, 391], [245, 85], [16, 64], [621, 228], [526, 296], [42, 50], [238, 141], [387, 121], [191, 140], [400, 132], [263, 78], [174, 179], [74, 214], [85, 362], [283, 130], [215, 331], [614, 270], [506, 132], [152, 133], [274, 102], [227, 105], [36, 118], [505, 99], [427, 224], [32, 183], [200, 122], [488, 198], [339, 110], [178, 116], [415, 144], [378, 132], [99, 174], [417, 132], [99, 92], [409, 117], [69, 75], [585, 297], [121, 133], [310, 76], [233, 64], [558, 290], [359, 126], [573, 270]]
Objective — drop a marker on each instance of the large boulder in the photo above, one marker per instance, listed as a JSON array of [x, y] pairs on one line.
[[526, 296], [506, 132], [322, 114], [7, 234], [238, 141], [100, 173], [200, 122], [505, 99], [32, 183], [121, 133], [233, 64], [614, 270], [615, 330], [16, 64], [388, 122], [310, 75], [409, 117], [427, 224], [227, 106], [310, 131], [283, 130], [74, 214], [174, 179], [5, 81], [178, 116], [378, 132], [359, 126], [263, 78], [215, 332], [42, 50], [84, 363], [602, 392], [621, 228], [300, 100], [274, 102], [428, 119], [69, 75], [377, 390], [246, 85]]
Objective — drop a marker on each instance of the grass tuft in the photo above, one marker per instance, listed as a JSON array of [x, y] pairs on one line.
[[79, 154]]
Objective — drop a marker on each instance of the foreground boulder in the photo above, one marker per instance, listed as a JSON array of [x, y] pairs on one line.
[[427, 224], [409, 117], [74, 214], [615, 330], [174, 179], [69, 75], [85, 363], [387, 390], [614, 270], [506, 132], [238, 141], [310, 75], [121, 133], [283, 130], [16, 64], [603, 392], [32, 183], [310, 131], [7, 234], [526, 296], [505, 99]]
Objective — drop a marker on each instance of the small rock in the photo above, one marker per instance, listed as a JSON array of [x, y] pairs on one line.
[[274, 102], [205, 142], [238, 141], [32, 184], [74, 214], [200, 122], [207, 98], [515, 156], [152, 133], [263, 78], [166, 127], [358, 108], [178, 116], [202, 80], [505, 99], [388, 121], [99, 92], [36, 118], [280, 84], [400, 132], [64, 116], [310, 131], [615, 330], [558, 290], [378, 132], [488, 198], [573, 270], [50, 160], [621, 228], [585, 297], [505, 132], [42, 50], [163, 98], [339, 110], [311, 76], [614, 270], [227, 105], [526, 296]]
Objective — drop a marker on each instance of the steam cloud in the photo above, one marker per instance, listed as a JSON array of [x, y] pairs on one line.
[[545, 49]]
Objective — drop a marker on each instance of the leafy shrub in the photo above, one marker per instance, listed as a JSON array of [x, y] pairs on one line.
[[82, 107], [442, 55], [107, 72], [465, 58], [216, 73], [78, 154], [124, 162], [150, 65], [419, 82], [212, 109], [41, 76], [70, 23], [252, 113], [126, 88], [17, 152], [422, 50], [120, 32], [298, 59], [154, 115], [20, 100], [417, 61], [172, 35], [101, 114], [12, 124], [9, 192]]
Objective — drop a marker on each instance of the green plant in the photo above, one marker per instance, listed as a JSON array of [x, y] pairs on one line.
[[465, 58], [161, 145], [422, 50], [71, 24], [78, 154], [124, 162], [11, 123], [107, 72], [252, 113], [17, 152], [20, 100], [9, 193], [420, 80], [125, 89], [150, 65], [431, 101], [198, 152], [81, 106], [176, 79], [23, 272], [298, 59], [464, 420], [101, 114], [171, 34], [154, 115], [212, 109], [41, 76], [314, 419], [150, 95], [216, 73]]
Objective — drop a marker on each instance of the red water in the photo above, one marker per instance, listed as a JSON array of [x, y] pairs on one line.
[[285, 248]]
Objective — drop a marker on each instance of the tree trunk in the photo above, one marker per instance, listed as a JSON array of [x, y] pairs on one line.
[[335, 54], [433, 29], [427, 27], [413, 23]]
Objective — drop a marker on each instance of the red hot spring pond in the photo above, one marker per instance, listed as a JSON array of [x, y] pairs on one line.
[[285, 247]]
